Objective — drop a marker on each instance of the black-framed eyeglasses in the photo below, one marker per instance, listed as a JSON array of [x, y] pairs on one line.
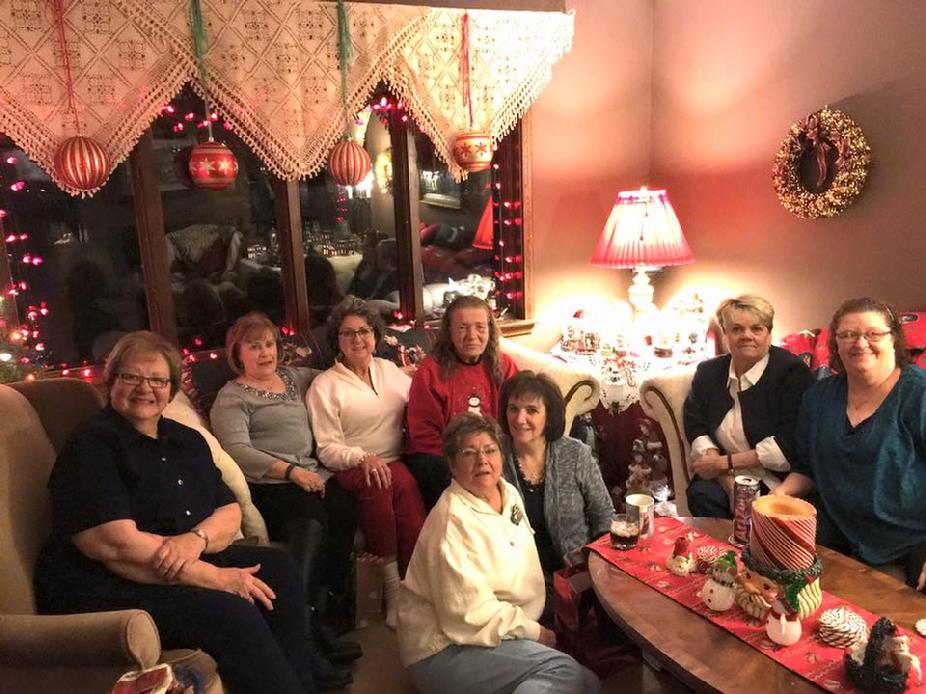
[[362, 333], [156, 382], [869, 335]]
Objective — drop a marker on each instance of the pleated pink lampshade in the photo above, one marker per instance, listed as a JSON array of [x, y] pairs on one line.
[[642, 231]]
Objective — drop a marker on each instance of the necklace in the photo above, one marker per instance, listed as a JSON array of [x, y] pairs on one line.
[[532, 477]]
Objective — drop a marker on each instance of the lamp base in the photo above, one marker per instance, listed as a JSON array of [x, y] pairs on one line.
[[640, 292]]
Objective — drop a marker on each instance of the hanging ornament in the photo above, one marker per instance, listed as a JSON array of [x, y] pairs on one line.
[[472, 149], [80, 162], [212, 165], [349, 163]]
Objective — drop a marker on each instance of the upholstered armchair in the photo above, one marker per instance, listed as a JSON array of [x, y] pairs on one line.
[[67, 653], [662, 398]]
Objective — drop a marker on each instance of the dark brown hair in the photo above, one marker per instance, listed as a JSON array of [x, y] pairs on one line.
[[466, 424], [352, 306], [251, 326], [867, 304], [142, 342], [443, 350], [540, 386]]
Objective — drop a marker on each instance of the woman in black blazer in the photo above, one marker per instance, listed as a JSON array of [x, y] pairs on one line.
[[741, 413]]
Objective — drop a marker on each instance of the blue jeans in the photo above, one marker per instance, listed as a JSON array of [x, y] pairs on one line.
[[518, 666]]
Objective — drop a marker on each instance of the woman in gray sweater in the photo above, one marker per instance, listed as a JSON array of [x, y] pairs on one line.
[[260, 418], [564, 496]]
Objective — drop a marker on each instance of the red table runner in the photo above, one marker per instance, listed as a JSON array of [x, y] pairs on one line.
[[810, 657]]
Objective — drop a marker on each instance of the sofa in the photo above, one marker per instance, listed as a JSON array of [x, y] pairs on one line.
[[89, 652]]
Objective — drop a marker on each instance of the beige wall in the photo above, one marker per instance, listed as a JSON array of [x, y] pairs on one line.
[[729, 77], [590, 140], [696, 96]]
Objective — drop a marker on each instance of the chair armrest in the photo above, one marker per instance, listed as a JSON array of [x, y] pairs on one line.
[[581, 387], [662, 398], [126, 638]]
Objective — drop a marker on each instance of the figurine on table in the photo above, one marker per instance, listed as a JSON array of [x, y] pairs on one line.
[[681, 563], [718, 591]]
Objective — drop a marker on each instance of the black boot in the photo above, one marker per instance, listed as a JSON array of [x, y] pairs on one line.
[[327, 676], [335, 649]]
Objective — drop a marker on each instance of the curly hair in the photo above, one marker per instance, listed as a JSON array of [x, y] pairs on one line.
[[251, 326], [444, 351], [467, 424], [352, 306], [539, 386], [867, 304], [142, 342]]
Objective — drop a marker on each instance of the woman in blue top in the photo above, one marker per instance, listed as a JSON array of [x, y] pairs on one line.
[[861, 443]]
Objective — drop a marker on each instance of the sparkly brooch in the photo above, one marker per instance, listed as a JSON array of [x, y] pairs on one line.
[[516, 514]]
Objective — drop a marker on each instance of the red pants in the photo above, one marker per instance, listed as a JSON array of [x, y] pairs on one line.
[[390, 518]]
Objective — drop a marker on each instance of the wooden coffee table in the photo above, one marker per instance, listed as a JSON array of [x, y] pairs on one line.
[[707, 658]]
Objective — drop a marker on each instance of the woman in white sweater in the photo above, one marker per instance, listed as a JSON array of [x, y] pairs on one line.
[[474, 590], [357, 408]]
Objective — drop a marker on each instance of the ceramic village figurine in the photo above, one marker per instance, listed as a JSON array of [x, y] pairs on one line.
[[882, 663], [681, 563], [718, 591]]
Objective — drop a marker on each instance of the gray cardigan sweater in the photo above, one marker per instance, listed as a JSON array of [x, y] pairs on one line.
[[576, 504]]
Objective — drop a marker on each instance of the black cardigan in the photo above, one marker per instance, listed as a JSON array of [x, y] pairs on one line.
[[770, 407]]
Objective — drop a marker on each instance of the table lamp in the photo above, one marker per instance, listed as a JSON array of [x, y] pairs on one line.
[[642, 233]]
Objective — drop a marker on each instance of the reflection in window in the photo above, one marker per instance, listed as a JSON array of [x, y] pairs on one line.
[[77, 255], [222, 246], [455, 231], [348, 232]]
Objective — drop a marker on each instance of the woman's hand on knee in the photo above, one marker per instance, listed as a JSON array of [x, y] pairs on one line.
[[921, 581], [308, 480], [377, 472], [245, 584]]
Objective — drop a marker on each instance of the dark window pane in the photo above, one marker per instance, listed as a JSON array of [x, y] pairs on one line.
[[221, 244], [79, 256]]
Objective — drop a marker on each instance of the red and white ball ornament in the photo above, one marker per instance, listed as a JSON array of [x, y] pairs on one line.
[[212, 166], [348, 163], [472, 150], [81, 163]]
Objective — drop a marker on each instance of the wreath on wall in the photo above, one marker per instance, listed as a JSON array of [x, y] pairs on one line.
[[822, 164]]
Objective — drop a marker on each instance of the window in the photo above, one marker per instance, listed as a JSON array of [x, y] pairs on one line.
[[151, 249]]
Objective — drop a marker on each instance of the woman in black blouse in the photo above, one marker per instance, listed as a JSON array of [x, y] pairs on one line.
[[142, 519]]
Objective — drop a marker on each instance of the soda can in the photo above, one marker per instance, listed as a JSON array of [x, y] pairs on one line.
[[745, 491]]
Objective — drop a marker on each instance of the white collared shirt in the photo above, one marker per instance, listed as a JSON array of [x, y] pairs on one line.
[[732, 437]]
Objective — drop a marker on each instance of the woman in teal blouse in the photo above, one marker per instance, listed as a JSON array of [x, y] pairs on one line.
[[862, 443]]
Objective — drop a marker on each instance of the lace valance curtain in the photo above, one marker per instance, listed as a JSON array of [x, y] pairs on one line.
[[272, 71]]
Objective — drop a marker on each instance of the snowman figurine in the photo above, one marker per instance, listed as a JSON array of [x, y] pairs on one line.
[[783, 623], [681, 563], [719, 592], [473, 404]]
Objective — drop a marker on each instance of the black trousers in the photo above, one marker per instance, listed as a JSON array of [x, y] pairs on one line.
[[281, 504], [432, 473], [257, 650]]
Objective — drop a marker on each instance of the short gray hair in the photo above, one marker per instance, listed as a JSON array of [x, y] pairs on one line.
[[759, 307]]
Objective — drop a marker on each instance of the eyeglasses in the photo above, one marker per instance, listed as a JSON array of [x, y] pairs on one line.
[[156, 382], [471, 454], [362, 333], [869, 335]]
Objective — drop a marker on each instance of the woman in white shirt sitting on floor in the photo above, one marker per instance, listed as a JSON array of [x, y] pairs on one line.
[[474, 590], [357, 408]]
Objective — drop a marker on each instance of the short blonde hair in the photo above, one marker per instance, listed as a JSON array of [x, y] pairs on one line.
[[142, 342], [756, 305], [250, 326]]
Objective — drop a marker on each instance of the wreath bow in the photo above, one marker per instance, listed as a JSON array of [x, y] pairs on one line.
[[819, 144]]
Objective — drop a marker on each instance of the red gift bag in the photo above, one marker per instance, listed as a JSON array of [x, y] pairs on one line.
[[583, 629]]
